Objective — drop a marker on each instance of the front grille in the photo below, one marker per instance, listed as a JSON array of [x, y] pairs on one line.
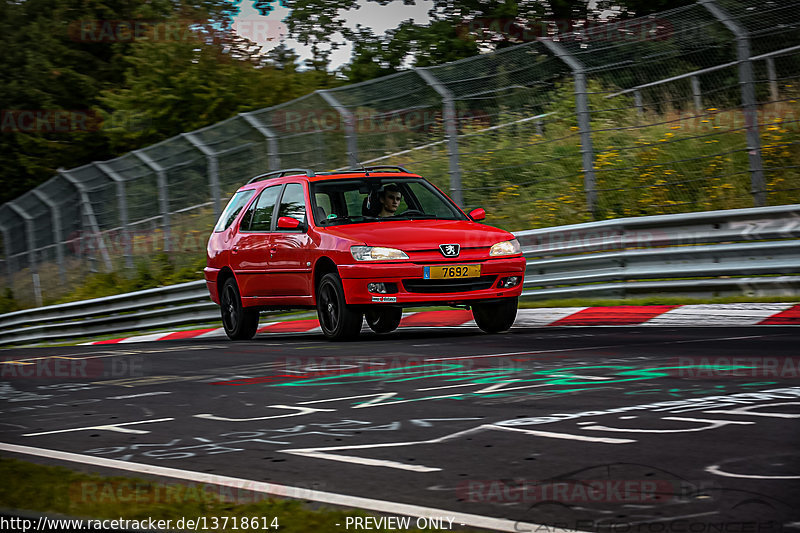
[[448, 285]]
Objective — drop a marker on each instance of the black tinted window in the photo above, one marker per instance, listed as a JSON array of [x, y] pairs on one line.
[[259, 216], [293, 203]]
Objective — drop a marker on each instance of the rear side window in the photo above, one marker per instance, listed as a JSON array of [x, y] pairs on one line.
[[259, 216], [237, 202], [293, 203]]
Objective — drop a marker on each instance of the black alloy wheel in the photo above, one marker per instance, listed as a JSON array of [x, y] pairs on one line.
[[240, 323], [338, 320]]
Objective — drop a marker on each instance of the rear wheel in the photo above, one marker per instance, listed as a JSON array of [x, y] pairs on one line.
[[384, 319], [495, 317], [338, 320], [240, 323]]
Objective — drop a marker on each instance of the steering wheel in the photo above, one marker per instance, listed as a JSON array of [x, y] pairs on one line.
[[411, 212]]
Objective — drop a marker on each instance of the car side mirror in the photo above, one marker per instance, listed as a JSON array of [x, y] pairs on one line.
[[290, 223], [477, 214]]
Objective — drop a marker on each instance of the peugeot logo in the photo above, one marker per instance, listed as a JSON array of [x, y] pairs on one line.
[[450, 250]]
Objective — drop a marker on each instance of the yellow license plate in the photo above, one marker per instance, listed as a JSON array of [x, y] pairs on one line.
[[452, 271]]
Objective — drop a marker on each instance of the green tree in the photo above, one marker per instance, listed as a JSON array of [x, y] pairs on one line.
[[56, 58]]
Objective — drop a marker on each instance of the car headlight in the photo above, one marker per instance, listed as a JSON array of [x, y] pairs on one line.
[[511, 247], [376, 253]]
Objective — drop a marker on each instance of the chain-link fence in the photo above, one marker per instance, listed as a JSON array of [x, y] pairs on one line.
[[691, 109]]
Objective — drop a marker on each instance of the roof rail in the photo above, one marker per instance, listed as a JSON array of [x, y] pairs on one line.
[[380, 167], [284, 172]]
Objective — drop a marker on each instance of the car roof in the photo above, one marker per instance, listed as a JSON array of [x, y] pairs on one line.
[[281, 176]]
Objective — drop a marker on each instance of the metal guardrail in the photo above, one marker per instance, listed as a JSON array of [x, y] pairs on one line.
[[752, 251], [184, 303]]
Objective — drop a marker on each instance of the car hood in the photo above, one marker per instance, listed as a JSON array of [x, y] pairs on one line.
[[411, 235]]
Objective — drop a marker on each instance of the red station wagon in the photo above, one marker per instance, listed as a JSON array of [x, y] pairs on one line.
[[357, 244]]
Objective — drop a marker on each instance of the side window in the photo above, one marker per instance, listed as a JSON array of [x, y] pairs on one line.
[[237, 202], [293, 203], [259, 216]]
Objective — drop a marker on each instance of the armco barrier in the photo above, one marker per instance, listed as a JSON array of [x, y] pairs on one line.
[[739, 251], [715, 253]]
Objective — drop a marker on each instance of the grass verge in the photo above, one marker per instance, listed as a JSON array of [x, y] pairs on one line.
[[62, 491]]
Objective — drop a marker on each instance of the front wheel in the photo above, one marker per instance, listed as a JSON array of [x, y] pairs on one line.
[[495, 317], [384, 319], [338, 320], [240, 323]]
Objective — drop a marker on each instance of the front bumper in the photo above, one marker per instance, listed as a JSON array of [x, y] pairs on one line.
[[413, 289]]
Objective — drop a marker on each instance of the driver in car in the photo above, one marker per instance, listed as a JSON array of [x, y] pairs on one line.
[[390, 197]]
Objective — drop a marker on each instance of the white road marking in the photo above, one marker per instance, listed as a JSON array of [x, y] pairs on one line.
[[108, 427], [331, 498], [321, 452], [715, 469], [145, 338], [213, 334], [381, 395], [717, 315], [712, 424], [544, 316], [567, 436], [300, 411]]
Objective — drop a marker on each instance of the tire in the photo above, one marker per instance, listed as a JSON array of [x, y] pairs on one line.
[[495, 317], [338, 320], [240, 323], [384, 319]]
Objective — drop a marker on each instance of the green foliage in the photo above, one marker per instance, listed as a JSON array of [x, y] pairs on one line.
[[527, 178], [135, 92], [55, 489], [159, 271], [8, 303]]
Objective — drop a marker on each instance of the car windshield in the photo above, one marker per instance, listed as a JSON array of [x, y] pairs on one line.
[[372, 199]]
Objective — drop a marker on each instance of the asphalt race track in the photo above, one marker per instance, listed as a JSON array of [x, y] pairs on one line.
[[657, 430]]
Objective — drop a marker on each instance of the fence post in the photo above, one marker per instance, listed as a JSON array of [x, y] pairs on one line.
[[272, 139], [163, 194], [58, 233], [451, 131], [773, 80], [584, 124], [123, 211], [749, 105], [30, 232], [349, 125], [213, 170], [637, 101], [88, 212], [7, 248], [697, 94]]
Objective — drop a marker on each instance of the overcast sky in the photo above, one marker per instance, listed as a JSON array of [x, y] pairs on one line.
[[271, 31]]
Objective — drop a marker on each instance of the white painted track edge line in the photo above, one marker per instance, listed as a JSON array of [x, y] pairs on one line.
[[382, 506]]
